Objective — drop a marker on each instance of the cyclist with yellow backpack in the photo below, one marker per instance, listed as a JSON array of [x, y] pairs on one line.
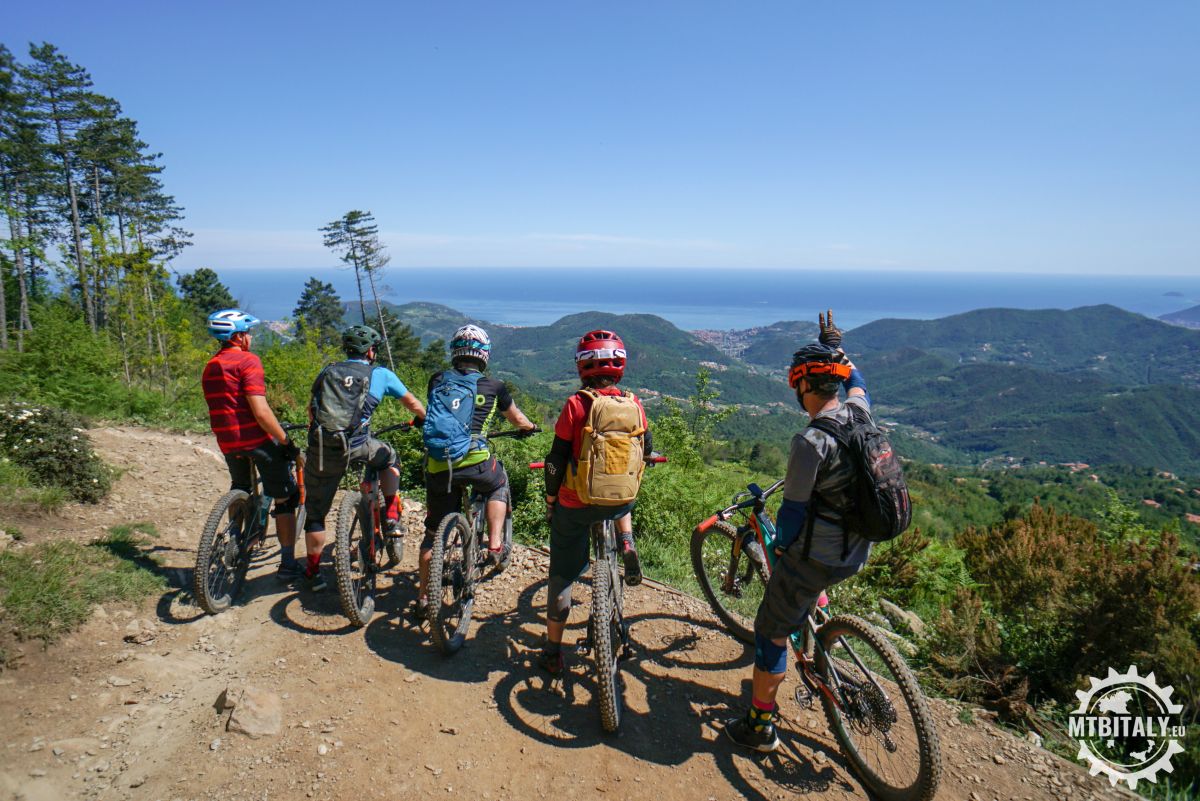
[[593, 473]]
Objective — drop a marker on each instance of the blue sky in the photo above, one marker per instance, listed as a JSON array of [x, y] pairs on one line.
[[991, 136]]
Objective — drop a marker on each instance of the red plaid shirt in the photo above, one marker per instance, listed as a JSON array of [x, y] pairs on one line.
[[229, 377]]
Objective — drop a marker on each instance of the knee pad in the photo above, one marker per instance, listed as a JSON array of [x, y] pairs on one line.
[[768, 656], [286, 506], [558, 601]]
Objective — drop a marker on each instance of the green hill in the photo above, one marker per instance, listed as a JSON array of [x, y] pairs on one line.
[[772, 346], [1104, 340], [1188, 318], [663, 359], [1094, 384]]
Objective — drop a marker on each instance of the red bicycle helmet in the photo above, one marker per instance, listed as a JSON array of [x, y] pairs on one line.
[[600, 353]]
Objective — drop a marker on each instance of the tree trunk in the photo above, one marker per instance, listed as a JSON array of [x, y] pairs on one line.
[[362, 304], [387, 346], [12, 193], [89, 308]]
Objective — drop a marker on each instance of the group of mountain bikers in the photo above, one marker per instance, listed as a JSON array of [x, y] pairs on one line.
[[463, 402]]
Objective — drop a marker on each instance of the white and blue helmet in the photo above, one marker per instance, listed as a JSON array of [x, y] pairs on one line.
[[471, 342], [225, 323]]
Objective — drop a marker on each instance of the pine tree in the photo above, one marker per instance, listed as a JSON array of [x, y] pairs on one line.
[[204, 292], [355, 238], [318, 313], [61, 100]]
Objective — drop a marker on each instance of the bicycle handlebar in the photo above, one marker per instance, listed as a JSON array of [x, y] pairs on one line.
[[738, 504], [397, 427], [294, 426], [516, 433], [652, 459]]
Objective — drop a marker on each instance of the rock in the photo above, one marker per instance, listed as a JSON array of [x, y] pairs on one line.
[[999, 760], [140, 632], [258, 713], [137, 782], [323, 749], [902, 645], [902, 618], [118, 681], [215, 744], [1033, 738], [37, 773]]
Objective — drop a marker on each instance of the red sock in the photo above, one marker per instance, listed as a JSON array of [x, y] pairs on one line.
[[314, 563], [392, 504], [763, 705]]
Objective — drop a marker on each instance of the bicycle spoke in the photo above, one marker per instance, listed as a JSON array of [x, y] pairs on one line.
[[880, 716]]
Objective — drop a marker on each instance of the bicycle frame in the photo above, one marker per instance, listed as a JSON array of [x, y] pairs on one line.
[[754, 501]]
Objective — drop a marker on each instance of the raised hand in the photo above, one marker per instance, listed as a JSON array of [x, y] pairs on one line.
[[830, 335]]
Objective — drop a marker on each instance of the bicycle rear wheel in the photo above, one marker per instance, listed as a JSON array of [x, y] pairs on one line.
[[220, 564], [606, 625], [356, 558], [453, 569], [882, 720], [734, 584]]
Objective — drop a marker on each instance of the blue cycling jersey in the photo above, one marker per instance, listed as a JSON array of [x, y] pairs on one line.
[[384, 384]]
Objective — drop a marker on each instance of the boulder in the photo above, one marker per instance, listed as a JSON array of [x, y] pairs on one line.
[[256, 713], [902, 618]]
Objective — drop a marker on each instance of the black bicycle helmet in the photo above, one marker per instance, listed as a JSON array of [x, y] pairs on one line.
[[358, 339], [822, 365]]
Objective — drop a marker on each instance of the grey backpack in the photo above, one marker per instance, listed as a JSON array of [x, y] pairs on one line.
[[338, 397]]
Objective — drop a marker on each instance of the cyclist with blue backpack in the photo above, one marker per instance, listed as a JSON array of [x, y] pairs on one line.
[[463, 404], [344, 397]]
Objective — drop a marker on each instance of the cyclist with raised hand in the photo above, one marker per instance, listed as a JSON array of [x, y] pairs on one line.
[[600, 359], [344, 397], [463, 404], [247, 430], [815, 550]]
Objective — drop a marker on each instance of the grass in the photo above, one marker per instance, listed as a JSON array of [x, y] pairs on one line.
[[19, 495], [48, 590]]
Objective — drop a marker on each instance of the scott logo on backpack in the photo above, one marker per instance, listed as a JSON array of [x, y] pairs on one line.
[[452, 400]]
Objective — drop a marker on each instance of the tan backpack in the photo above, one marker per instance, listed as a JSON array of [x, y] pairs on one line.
[[610, 466]]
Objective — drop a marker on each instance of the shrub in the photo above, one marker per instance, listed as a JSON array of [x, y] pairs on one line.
[[51, 445]]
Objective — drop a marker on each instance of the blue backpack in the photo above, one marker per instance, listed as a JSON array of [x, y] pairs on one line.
[[447, 429]]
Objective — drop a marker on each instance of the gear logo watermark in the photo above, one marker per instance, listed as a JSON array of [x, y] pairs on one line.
[[1127, 727]]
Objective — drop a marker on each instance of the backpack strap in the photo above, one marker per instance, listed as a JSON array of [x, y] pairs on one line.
[[837, 431]]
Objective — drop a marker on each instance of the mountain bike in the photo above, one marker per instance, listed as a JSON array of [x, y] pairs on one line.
[[236, 528], [608, 634], [460, 557], [871, 699], [360, 544]]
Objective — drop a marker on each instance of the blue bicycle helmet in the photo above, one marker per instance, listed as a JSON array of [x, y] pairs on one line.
[[225, 323]]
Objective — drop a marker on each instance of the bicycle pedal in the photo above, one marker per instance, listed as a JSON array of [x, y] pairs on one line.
[[804, 697]]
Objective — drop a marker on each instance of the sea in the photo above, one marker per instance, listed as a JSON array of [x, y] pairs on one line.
[[719, 299]]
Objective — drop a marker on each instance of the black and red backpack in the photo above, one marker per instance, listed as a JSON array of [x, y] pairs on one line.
[[879, 507]]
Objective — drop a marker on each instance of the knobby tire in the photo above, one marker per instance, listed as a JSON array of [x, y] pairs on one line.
[[606, 632], [211, 595], [357, 593], [720, 539], [453, 566], [871, 646]]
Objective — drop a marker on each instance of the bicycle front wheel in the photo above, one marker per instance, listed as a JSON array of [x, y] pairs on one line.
[[878, 714], [733, 583], [220, 565], [607, 628], [453, 569], [354, 559]]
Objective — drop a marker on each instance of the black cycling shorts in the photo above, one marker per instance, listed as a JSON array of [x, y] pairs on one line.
[[274, 470]]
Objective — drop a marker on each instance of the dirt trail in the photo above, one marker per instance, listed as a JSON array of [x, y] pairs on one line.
[[376, 713]]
